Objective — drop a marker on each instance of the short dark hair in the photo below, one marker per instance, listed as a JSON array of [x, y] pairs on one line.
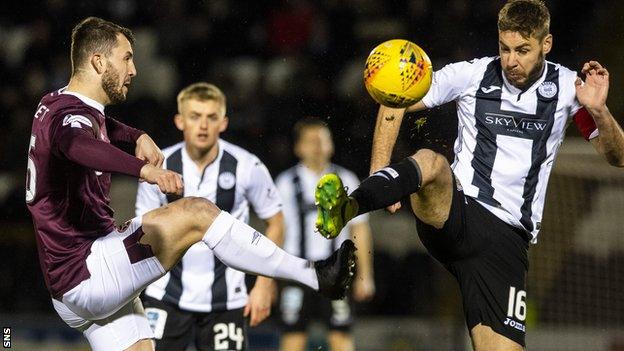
[[305, 123], [92, 35], [527, 17]]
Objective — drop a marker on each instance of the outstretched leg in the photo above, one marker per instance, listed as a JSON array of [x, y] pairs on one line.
[[172, 229]]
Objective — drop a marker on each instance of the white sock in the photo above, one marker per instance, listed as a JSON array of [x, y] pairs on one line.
[[241, 247]]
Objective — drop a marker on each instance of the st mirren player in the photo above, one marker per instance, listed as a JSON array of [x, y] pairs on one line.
[[202, 300], [478, 215], [94, 271]]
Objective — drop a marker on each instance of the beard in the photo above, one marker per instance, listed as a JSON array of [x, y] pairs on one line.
[[110, 80], [532, 76], [536, 73]]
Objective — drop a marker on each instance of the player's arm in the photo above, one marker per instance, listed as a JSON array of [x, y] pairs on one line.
[[386, 131], [364, 283], [592, 95], [419, 106], [610, 141], [121, 133], [145, 149], [267, 204], [76, 142]]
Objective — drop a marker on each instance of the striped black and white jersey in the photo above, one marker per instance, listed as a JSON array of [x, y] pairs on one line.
[[507, 138], [201, 282], [296, 186]]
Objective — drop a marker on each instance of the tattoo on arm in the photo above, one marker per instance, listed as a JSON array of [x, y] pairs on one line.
[[390, 118]]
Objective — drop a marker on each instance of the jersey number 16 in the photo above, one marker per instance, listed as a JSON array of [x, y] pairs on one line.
[[516, 307]]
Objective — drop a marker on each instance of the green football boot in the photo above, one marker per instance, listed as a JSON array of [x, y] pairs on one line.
[[335, 208]]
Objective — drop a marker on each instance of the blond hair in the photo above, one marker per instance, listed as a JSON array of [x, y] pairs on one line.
[[527, 17], [202, 91]]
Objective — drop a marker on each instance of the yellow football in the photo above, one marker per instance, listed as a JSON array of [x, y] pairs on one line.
[[397, 73]]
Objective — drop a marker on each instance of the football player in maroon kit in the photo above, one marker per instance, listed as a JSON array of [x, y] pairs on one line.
[[95, 271]]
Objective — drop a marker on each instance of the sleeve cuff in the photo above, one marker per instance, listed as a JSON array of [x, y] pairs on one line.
[[136, 165], [272, 211], [135, 134]]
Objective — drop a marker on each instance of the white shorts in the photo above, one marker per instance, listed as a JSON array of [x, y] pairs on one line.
[[106, 304], [118, 331]]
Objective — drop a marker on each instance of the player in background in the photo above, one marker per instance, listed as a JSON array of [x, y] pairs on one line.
[[94, 271], [314, 147], [201, 296], [478, 215]]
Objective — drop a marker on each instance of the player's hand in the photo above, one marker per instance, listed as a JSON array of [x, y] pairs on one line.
[[258, 306], [592, 94], [168, 181], [147, 150], [363, 288], [393, 208]]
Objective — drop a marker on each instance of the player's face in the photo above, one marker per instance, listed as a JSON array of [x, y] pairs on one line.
[[315, 145], [522, 58], [119, 71], [201, 122]]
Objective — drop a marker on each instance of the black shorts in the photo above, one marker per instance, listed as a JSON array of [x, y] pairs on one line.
[[301, 305], [489, 259], [175, 328]]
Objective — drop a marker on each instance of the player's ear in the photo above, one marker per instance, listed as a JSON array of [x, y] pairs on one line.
[[224, 124], [547, 44], [97, 61], [178, 120]]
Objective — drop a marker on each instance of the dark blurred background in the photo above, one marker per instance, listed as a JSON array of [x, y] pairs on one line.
[[278, 61]]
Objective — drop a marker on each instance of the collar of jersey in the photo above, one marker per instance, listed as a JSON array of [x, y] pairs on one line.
[[186, 159], [516, 91], [87, 100]]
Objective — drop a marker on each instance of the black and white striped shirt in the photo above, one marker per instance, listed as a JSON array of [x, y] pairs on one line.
[[200, 281], [507, 138]]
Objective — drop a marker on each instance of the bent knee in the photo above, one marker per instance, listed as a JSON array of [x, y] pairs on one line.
[[186, 214], [196, 205], [433, 166], [198, 210]]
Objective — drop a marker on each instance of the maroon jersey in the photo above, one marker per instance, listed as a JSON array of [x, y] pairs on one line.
[[68, 200]]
